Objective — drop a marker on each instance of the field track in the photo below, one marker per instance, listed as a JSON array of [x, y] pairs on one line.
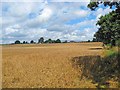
[[45, 65]]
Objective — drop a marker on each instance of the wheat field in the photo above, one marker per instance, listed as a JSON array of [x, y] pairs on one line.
[[45, 65]]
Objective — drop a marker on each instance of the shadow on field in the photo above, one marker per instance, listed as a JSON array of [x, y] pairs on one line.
[[100, 70], [96, 48]]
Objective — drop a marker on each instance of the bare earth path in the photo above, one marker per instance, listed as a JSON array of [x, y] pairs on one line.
[[47, 65]]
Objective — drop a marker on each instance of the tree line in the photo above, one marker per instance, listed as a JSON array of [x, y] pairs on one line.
[[40, 41]]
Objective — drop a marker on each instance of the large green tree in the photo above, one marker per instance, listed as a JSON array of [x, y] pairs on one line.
[[49, 41], [109, 30], [31, 41], [17, 42], [41, 40], [58, 41]]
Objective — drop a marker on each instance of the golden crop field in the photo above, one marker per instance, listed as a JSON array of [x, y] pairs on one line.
[[45, 65]]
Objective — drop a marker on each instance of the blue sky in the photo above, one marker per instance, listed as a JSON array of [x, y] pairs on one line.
[[32, 20]]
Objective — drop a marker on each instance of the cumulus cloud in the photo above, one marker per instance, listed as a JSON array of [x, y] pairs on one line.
[[45, 14], [81, 13], [43, 17]]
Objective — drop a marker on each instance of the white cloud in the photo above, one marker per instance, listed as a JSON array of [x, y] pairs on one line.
[[17, 9], [0, 22], [12, 29], [45, 14], [22, 1], [91, 22], [40, 19], [81, 13], [69, 1]]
